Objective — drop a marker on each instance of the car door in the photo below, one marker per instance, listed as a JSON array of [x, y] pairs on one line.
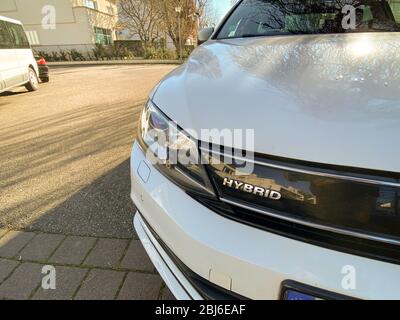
[[9, 67]]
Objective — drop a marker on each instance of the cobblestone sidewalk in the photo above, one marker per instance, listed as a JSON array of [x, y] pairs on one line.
[[87, 268]]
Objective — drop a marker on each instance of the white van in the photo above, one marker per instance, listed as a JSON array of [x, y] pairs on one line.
[[17, 63]]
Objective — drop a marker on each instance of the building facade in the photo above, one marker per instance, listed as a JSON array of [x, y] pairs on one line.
[[54, 25]]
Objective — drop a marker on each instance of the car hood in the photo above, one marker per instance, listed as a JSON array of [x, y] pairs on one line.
[[332, 99]]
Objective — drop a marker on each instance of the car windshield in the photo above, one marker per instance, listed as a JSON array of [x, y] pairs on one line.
[[254, 18]]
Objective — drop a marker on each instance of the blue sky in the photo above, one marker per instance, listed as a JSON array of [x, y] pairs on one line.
[[222, 7]]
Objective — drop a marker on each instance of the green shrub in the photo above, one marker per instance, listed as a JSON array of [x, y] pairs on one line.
[[120, 52], [159, 54], [63, 55], [76, 55], [187, 51], [45, 55], [54, 56], [100, 52], [133, 48]]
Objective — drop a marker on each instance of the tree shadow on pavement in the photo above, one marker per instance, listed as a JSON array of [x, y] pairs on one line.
[[102, 209], [68, 172]]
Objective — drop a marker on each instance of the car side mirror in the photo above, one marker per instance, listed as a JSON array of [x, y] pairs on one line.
[[204, 35]]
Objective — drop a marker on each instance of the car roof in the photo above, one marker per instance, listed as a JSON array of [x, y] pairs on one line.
[[10, 20]]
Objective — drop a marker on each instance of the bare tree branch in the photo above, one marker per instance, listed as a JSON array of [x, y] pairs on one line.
[[141, 18]]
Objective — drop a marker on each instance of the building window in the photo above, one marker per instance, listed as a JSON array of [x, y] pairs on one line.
[[92, 4], [103, 36]]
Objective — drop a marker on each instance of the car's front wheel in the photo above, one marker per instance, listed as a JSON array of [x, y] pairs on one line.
[[33, 83], [45, 79]]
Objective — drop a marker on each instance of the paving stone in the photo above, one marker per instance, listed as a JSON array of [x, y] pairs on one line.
[[138, 286], [23, 281], [100, 285], [136, 258], [3, 232], [106, 253], [6, 267], [68, 280], [13, 242], [41, 247], [167, 294], [73, 250]]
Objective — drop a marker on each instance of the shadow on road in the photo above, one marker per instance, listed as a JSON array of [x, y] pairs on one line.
[[69, 172], [64, 169], [103, 208], [12, 93]]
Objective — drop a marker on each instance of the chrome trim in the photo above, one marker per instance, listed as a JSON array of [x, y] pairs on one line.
[[314, 225], [198, 184], [316, 173]]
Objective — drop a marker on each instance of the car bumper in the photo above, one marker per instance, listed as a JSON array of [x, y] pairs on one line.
[[169, 271], [43, 72], [183, 283], [237, 258]]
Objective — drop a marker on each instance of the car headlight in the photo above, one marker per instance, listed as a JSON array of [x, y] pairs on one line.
[[172, 150]]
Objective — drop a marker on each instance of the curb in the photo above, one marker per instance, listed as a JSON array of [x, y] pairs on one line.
[[111, 63]]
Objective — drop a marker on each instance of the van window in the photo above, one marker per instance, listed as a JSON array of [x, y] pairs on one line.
[[254, 18], [18, 36], [5, 37]]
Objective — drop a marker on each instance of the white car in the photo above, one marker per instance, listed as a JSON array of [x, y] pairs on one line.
[[17, 64], [302, 202]]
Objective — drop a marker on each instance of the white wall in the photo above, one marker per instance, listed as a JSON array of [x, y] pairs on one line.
[[74, 25], [30, 11]]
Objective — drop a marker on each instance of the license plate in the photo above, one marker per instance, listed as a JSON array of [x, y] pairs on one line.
[[292, 290], [295, 295]]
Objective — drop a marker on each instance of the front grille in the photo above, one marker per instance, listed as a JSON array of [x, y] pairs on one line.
[[347, 209]]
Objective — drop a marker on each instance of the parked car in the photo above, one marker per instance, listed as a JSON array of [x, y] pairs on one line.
[[309, 208], [17, 63], [43, 69]]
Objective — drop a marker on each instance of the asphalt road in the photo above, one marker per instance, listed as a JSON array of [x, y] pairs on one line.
[[64, 150]]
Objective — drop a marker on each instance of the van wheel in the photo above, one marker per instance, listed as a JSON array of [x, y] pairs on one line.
[[33, 83], [45, 79]]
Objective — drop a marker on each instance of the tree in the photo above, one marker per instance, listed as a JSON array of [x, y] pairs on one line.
[[150, 20], [142, 19], [208, 16], [187, 19]]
